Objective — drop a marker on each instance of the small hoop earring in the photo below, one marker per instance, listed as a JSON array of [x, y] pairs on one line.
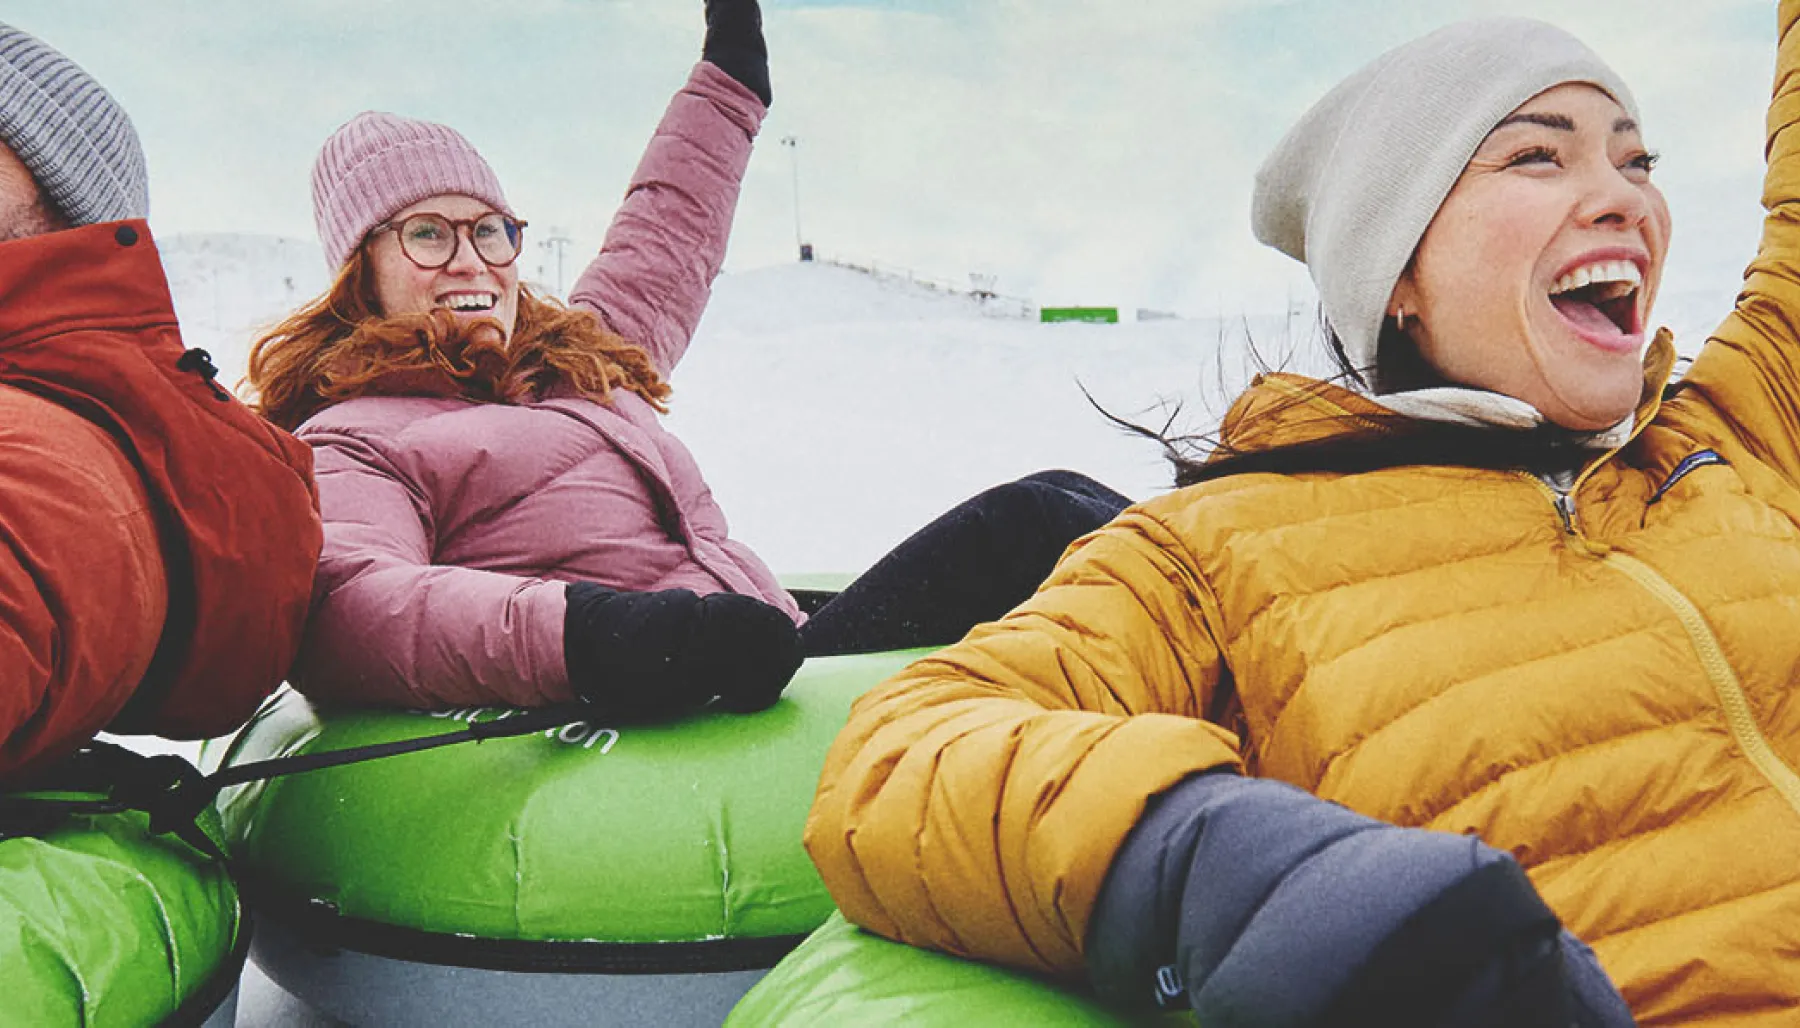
[[1400, 318]]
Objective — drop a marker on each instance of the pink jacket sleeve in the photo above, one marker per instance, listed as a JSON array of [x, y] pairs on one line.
[[390, 628], [666, 244]]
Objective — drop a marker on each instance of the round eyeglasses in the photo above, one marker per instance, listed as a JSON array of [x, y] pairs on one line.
[[431, 240]]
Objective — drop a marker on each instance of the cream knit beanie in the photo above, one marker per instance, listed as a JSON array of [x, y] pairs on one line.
[[1351, 189]]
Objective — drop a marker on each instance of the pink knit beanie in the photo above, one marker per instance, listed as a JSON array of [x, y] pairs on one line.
[[377, 164]]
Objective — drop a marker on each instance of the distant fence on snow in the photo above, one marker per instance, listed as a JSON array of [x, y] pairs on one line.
[[980, 289]]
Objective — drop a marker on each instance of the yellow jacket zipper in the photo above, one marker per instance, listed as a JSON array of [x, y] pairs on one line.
[[1732, 701], [1733, 704]]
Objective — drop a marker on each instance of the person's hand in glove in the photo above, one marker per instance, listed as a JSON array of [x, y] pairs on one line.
[[655, 656], [734, 44], [1258, 904]]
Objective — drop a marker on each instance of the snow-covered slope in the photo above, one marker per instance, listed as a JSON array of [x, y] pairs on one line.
[[834, 411], [227, 286]]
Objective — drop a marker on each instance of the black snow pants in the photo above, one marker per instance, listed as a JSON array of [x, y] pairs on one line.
[[972, 564]]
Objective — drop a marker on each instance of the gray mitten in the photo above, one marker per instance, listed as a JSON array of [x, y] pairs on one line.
[[1258, 904]]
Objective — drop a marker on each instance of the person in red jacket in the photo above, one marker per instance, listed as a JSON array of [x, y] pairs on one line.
[[157, 539]]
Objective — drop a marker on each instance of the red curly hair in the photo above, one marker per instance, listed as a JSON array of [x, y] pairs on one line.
[[340, 346]]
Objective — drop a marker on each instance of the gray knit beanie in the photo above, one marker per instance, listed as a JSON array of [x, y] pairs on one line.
[[1351, 189], [75, 139]]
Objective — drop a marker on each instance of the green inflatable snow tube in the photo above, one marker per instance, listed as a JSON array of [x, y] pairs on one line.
[[585, 865], [102, 923], [843, 975]]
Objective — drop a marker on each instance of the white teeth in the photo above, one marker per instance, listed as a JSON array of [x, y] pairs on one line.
[[1616, 273], [468, 301]]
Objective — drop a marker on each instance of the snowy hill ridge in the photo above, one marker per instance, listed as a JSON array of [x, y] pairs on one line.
[[228, 285], [832, 292], [836, 408]]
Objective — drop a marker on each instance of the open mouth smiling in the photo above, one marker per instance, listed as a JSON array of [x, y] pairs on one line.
[[1599, 299], [470, 302]]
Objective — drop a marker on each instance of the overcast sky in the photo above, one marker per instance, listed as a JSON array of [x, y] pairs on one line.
[[1080, 151]]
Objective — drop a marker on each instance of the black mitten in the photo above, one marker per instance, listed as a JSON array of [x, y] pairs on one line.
[[734, 44], [653, 656], [748, 648], [626, 652]]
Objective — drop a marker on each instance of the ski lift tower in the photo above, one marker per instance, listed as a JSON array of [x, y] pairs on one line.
[[554, 244], [793, 146]]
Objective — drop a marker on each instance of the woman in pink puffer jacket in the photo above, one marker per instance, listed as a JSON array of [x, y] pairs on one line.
[[506, 519]]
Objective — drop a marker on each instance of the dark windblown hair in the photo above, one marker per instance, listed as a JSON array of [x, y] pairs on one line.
[[1382, 443]]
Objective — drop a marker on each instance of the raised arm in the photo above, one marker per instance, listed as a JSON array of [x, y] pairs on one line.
[[1748, 375], [665, 246], [390, 628], [973, 803]]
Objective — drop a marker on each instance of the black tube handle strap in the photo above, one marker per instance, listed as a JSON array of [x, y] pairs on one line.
[[174, 792]]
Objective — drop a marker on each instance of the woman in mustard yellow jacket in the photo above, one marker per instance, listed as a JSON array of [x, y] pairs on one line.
[[1429, 682]]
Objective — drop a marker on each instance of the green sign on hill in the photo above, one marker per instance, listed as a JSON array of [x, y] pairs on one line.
[[1096, 315]]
